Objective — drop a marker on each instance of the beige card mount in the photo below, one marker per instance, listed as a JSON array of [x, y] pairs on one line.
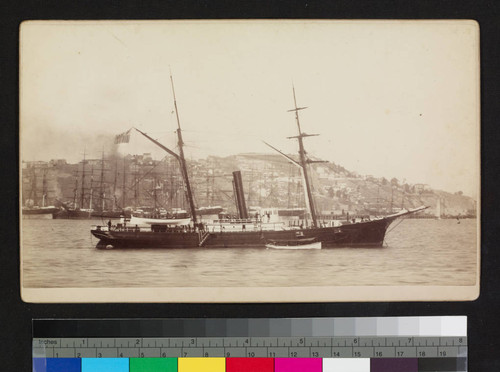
[[354, 147]]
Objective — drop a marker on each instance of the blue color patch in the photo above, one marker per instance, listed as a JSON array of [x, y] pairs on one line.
[[105, 365], [56, 365], [39, 365]]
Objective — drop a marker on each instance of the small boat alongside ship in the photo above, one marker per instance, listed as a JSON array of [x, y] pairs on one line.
[[146, 221], [244, 231], [300, 243]]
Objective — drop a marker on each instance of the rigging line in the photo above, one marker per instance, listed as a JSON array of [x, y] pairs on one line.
[[224, 133], [400, 221], [145, 174], [162, 204]]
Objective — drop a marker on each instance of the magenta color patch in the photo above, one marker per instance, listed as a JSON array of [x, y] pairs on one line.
[[298, 365]]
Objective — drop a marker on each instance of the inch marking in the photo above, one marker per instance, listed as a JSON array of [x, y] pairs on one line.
[[291, 347]]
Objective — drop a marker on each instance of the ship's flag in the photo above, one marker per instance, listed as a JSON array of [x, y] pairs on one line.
[[122, 137]]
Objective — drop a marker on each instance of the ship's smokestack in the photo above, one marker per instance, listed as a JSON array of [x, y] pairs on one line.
[[239, 195]]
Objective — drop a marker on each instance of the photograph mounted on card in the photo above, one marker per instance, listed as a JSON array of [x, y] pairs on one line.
[[249, 161]]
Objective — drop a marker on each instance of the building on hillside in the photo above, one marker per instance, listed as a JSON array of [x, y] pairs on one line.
[[58, 162]]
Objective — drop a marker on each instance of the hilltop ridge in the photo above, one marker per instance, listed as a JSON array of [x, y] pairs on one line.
[[269, 180]]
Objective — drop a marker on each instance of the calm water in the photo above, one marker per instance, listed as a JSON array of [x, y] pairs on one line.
[[62, 253]]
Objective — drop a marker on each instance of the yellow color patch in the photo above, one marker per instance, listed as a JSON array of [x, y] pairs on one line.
[[202, 364]]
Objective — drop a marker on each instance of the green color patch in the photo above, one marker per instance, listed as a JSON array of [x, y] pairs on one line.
[[153, 364]]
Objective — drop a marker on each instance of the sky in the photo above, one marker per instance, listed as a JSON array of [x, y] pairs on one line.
[[388, 98]]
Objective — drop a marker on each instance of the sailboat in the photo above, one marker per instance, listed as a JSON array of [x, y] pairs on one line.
[[31, 209], [77, 210], [244, 232], [102, 208]]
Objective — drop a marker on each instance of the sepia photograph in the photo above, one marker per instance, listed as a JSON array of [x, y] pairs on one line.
[[249, 161]]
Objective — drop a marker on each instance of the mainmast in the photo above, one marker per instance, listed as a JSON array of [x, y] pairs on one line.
[[83, 181], [303, 160], [182, 159], [44, 187], [101, 184], [91, 186], [114, 185], [34, 187], [124, 188]]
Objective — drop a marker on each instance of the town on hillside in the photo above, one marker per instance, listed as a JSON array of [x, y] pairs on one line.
[[113, 182]]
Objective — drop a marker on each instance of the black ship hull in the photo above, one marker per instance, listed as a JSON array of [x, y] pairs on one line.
[[361, 234], [43, 212], [73, 214]]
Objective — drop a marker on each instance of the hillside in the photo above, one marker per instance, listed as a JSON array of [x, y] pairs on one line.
[[269, 181]]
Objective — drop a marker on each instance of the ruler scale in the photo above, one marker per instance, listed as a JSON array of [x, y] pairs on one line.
[[399, 344]]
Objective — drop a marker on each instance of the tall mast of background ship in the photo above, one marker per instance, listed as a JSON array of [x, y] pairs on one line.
[[101, 186], [83, 181]]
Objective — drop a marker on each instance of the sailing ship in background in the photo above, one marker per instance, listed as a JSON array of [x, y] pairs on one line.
[[245, 231], [76, 209], [31, 207], [90, 196]]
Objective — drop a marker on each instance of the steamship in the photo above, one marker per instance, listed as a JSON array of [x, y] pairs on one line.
[[245, 231]]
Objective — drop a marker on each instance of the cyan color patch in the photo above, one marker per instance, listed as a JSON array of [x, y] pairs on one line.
[[105, 365]]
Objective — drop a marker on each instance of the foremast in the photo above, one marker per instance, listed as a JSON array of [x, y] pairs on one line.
[[180, 157]]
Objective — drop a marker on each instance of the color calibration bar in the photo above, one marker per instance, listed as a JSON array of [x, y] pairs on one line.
[[248, 365], [279, 345]]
